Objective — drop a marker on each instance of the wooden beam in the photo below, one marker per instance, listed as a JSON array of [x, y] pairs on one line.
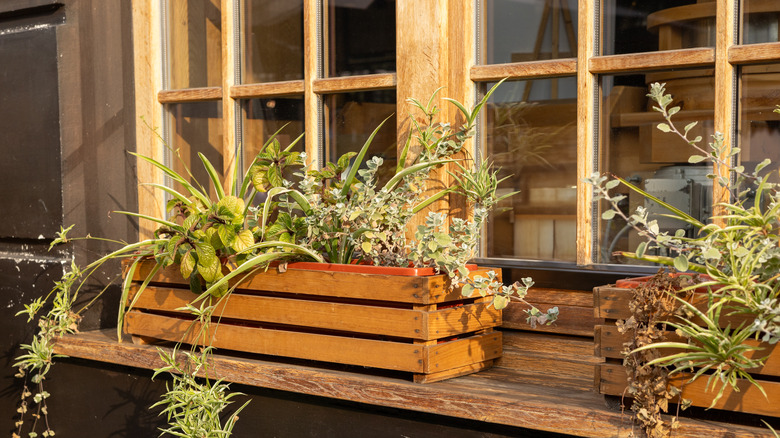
[[381, 81], [754, 53], [587, 89], [685, 58], [147, 70], [229, 113], [524, 70], [311, 72], [273, 89], [725, 92], [189, 95]]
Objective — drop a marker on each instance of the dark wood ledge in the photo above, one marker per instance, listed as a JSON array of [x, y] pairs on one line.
[[499, 395]]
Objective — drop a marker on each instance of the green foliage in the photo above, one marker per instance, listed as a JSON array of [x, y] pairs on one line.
[[195, 406], [739, 250]]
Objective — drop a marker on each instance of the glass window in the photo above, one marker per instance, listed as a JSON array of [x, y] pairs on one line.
[[195, 127], [360, 38], [263, 117], [350, 120], [760, 21], [519, 31], [633, 148], [194, 43], [531, 135], [273, 41], [759, 124], [631, 26]]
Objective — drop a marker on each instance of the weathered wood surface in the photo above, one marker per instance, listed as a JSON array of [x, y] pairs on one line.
[[354, 317], [612, 303], [575, 306], [612, 380], [492, 396], [406, 289], [399, 356]]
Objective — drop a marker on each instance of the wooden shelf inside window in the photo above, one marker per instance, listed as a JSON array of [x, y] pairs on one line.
[[499, 395]]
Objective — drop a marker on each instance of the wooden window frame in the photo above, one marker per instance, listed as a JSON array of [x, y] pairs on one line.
[[435, 47]]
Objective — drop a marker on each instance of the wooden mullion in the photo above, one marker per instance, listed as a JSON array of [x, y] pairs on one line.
[[754, 53], [684, 58], [229, 116], [586, 115], [271, 89], [147, 80], [189, 95], [725, 94], [382, 81], [525, 70], [311, 47]]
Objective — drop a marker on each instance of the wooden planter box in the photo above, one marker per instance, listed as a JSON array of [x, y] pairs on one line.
[[611, 304], [404, 323]]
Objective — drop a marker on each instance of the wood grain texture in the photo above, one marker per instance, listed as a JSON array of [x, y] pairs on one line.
[[388, 355], [312, 69], [686, 58], [524, 70], [748, 399], [381, 81], [490, 396], [405, 289], [610, 344], [754, 53], [147, 71], [271, 89], [189, 95], [725, 96], [297, 310], [229, 111], [573, 320], [587, 89]]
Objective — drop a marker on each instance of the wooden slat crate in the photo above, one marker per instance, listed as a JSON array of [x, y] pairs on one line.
[[611, 303], [402, 323]]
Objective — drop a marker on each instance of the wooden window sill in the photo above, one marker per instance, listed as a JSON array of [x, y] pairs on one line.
[[498, 395]]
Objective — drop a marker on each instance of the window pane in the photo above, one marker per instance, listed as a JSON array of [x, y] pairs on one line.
[[759, 124], [760, 21], [273, 40], [350, 119], [631, 26], [263, 117], [195, 127], [519, 31], [360, 38], [195, 44], [633, 148], [532, 137]]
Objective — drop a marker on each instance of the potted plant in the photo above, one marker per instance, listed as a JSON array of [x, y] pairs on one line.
[[725, 320], [269, 267]]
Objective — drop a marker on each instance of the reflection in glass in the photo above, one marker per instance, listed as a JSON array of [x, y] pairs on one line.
[[350, 118], [273, 40], [263, 117], [759, 124], [360, 38], [529, 31], [194, 44], [534, 143], [195, 127], [760, 21], [633, 148], [631, 26]]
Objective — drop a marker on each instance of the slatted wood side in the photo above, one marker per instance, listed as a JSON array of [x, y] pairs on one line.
[[357, 317], [611, 303], [407, 289], [560, 355]]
